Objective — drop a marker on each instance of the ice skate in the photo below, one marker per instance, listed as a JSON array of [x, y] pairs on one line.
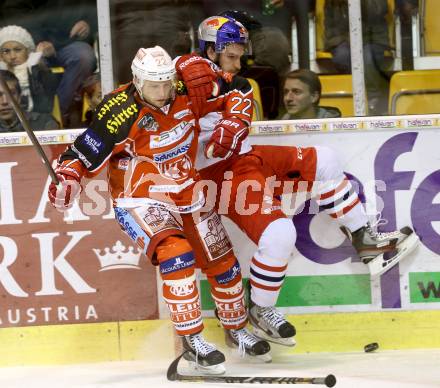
[[248, 344], [203, 356], [268, 323], [381, 251]]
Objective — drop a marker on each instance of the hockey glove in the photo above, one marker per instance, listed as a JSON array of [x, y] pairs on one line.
[[227, 138], [63, 195], [199, 78]]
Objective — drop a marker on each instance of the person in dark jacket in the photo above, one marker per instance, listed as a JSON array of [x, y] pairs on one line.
[[375, 43], [38, 83], [167, 23], [9, 121], [63, 31], [301, 94]]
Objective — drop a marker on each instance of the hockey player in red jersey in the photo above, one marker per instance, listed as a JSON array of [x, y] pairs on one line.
[[146, 132], [224, 159]]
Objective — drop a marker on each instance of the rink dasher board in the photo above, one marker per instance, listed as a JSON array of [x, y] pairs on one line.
[[331, 277], [65, 343], [358, 142], [274, 127]]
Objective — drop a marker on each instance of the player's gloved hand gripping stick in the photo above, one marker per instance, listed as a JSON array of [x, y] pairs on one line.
[[63, 195]]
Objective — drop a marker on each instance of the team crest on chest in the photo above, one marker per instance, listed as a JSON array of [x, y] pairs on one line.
[[148, 123], [176, 169]]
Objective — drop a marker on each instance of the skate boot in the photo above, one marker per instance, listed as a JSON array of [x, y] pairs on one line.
[[381, 251], [248, 344], [269, 323], [203, 356]]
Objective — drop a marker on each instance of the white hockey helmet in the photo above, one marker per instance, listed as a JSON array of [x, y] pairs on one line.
[[152, 64]]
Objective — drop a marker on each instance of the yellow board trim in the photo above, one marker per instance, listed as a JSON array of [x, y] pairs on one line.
[[154, 340]]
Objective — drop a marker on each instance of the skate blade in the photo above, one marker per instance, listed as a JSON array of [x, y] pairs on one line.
[[290, 341], [242, 353], [380, 265], [218, 369], [266, 358]]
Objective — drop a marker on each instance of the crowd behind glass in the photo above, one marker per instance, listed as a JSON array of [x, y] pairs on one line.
[[49, 51]]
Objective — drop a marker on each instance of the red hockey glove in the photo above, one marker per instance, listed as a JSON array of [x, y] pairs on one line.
[[227, 138], [199, 78], [63, 195]]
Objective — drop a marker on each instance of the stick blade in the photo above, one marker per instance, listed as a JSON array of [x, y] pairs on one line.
[[172, 374]]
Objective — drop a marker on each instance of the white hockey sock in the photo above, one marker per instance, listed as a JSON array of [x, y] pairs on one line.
[[336, 195], [342, 203], [269, 264]]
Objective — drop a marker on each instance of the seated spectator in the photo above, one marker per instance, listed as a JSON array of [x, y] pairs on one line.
[[301, 95], [375, 43], [92, 94], [37, 82], [9, 121], [65, 31]]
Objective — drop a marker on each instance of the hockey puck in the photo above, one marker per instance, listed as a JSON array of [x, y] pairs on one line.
[[371, 347], [330, 381]]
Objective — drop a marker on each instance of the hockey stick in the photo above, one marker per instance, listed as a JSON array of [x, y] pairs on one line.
[[27, 128], [174, 375]]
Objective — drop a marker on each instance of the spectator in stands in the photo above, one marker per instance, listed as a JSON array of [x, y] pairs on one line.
[[171, 24], [9, 121], [92, 95], [64, 31], [375, 43], [301, 95], [37, 82]]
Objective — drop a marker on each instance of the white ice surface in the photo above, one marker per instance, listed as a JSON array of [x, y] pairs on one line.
[[387, 369]]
